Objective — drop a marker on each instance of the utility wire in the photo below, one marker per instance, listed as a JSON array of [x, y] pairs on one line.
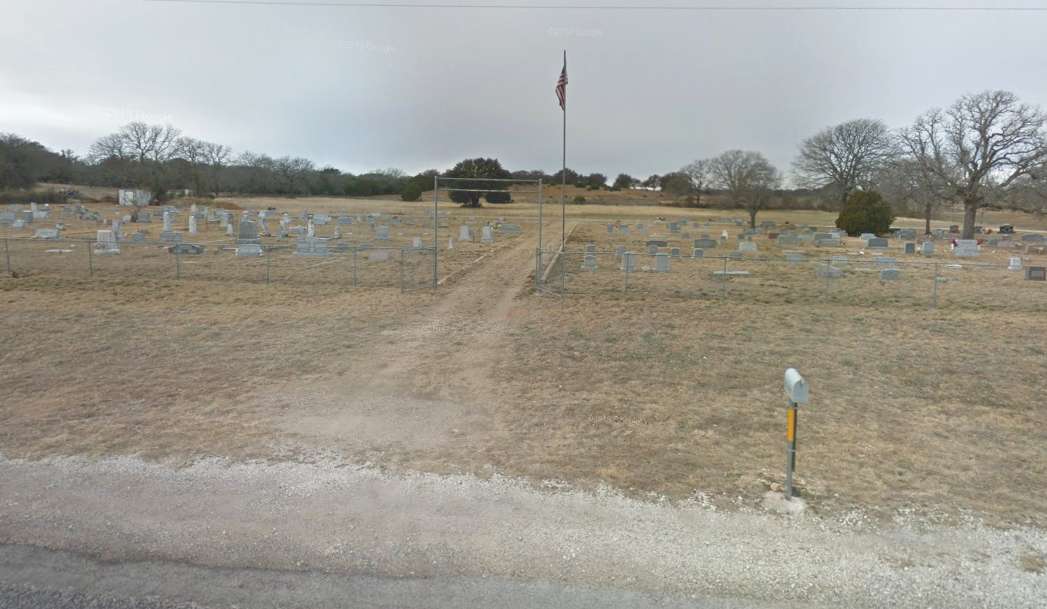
[[720, 8]]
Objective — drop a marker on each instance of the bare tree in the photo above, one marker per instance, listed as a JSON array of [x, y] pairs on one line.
[[217, 157], [845, 157], [748, 178], [698, 173], [981, 146], [150, 146], [904, 183]]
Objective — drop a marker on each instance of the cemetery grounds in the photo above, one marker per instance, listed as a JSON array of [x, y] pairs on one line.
[[656, 385]]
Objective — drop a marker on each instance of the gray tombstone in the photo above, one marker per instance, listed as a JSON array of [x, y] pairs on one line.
[[186, 249], [248, 232], [674, 252], [889, 274], [1036, 273], [661, 263], [705, 243], [629, 262], [652, 249], [589, 263], [910, 247], [927, 248], [249, 249], [698, 253], [878, 243]]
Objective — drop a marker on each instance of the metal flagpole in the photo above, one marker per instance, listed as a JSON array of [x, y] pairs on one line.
[[563, 186]]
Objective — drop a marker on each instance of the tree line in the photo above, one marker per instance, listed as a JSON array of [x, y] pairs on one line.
[[985, 150]]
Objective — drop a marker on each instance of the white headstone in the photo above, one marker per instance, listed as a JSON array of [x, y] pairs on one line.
[[1015, 264], [192, 225], [488, 234], [167, 221], [464, 234]]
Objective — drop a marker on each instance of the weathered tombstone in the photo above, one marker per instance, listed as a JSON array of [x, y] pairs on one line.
[[487, 235], [625, 231], [866, 236], [878, 243], [311, 246], [747, 247], [186, 249], [138, 237], [450, 243], [674, 252], [966, 248], [464, 233], [381, 232], [1015, 264], [619, 251], [629, 262], [910, 247], [170, 237], [652, 249], [416, 243], [1033, 238], [46, 233], [661, 263], [1036, 273], [788, 240], [511, 229], [248, 232], [610, 229], [167, 222], [927, 248], [795, 257], [889, 274], [906, 234], [828, 272], [590, 248], [705, 243], [839, 260], [885, 261], [697, 253], [657, 243], [192, 225], [106, 243], [589, 262], [249, 249]]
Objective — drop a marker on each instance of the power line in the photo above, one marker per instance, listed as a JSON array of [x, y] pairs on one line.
[[720, 8]]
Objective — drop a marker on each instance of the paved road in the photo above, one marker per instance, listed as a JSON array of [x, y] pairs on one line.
[[33, 577]]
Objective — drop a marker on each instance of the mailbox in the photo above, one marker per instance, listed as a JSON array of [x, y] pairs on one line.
[[795, 387]]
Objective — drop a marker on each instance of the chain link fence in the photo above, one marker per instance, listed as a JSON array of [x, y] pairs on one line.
[[798, 278], [406, 268]]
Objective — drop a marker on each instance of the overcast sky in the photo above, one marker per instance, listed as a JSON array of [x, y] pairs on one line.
[[366, 88]]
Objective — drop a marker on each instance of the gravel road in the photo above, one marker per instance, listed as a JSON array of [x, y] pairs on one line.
[[125, 531]]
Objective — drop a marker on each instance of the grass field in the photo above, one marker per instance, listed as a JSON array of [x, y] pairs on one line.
[[662, 391]]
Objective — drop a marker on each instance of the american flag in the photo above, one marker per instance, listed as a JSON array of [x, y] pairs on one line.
[[561, 85]]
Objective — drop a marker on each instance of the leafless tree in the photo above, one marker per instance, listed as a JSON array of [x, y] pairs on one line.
[[150, 146], [698, 173], [905, 184], [217, 157], [845, 157], [748, 178], [982, 146]]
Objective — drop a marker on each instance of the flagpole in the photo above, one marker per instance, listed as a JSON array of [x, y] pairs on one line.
[[563, 186]]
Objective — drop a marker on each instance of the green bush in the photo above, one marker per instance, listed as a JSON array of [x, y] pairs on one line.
[[579, 200], [411, 192], [499, 196], [865, 212]]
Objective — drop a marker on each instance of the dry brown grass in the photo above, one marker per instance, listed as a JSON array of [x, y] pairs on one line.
[[667, 391]]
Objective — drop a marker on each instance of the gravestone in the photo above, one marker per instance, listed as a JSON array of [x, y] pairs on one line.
[[795, 257], [657, 243], [589, 262], [705, 243], [381, 232], [1033, 238], [966, 248], [464, 233], [828, 272], [106, 243], [674, 252], [927, 248], [839, 260], [416, 243], [248, 232], [629, 262], [652, 249], [1015, 264], [186, 249], [697, 253], [192, 225], [512, 229], [487, 235], [748, 247], [343, 220], [661, 263], [249, 249], [46, 233], [321, 219], [910, 247], [138, 237], [885, 261], [1036, 273], [878, 243], [625, 231], [906, 234], [889, 274], [167, 222], [590, 248], [619, 251], [311, 246], [610, 229], [170, 237], [788, 240]]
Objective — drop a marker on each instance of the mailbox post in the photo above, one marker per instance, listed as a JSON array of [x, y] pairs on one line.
[[796, 392]]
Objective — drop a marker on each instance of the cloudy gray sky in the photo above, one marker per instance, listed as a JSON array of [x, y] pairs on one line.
[[365, 88]]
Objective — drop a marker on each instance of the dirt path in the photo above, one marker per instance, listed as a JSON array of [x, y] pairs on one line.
[[426, 383]]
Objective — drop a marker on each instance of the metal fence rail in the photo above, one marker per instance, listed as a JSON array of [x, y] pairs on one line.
[[406, 268], [840, 279]]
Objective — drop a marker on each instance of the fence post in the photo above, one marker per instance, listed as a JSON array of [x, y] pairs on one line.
[[267, 265], [354, 265], [723, 278], [178, 261], [401, 270], [7, 256], [90, 259], [828, 274], [934, 289]]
